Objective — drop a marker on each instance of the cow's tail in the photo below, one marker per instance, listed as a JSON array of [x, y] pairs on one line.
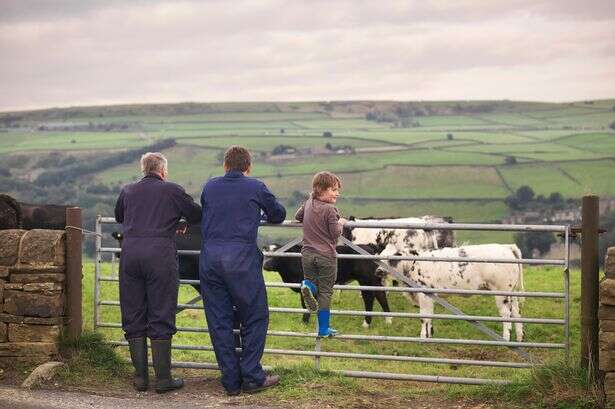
[[520, 286]]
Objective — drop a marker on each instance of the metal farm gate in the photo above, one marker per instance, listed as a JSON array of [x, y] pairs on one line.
[[453, 313]]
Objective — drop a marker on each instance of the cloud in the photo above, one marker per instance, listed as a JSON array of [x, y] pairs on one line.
[[150, 51]]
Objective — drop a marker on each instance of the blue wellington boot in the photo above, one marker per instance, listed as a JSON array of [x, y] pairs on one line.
[[323, 324], [309, 291]]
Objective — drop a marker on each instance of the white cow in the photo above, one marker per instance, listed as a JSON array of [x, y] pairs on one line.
[[467, 276], [402, 240]]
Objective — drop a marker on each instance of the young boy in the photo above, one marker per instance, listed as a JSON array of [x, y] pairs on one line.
[[322, 226]]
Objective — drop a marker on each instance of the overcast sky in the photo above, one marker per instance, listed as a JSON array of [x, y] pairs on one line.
[[80, 52]]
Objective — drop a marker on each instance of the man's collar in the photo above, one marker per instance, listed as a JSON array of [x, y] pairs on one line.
[[233, 174], [153, 175]]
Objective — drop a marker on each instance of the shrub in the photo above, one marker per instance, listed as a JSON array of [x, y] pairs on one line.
[[510, 160], [528, 242]]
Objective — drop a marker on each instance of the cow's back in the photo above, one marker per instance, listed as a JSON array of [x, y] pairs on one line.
[[471, 276]]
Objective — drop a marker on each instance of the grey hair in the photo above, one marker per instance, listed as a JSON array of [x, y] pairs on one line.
[[153, 162]]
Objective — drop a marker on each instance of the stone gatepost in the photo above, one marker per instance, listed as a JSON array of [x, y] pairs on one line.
[[606, 315], [32, 293]]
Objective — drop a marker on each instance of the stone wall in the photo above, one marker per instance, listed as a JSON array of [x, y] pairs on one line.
[[606, 315], [32, 305]]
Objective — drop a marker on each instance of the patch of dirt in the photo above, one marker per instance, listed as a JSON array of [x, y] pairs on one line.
[[204, 386]]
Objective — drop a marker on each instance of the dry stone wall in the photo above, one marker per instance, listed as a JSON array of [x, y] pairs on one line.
[[32, 294], [606, 315]]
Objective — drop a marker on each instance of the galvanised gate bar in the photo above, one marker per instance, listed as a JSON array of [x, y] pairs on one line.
[[520, 348]]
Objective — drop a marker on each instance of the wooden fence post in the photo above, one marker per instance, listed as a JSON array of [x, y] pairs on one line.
[[589, 284], [74, 223]]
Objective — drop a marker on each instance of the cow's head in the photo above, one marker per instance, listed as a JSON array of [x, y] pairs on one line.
[[269, 263], [119, 237], [391, 250], [446, 238], [347, 231]]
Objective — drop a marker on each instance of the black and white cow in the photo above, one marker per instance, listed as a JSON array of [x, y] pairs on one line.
[[466, 276], [348, 270], [188, 264], [404, 240]]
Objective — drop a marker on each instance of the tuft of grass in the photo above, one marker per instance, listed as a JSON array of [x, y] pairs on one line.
[[89, 359], [560, 384], [303, 383]]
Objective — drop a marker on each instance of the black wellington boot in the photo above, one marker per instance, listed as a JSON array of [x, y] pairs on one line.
[[138, 356], [161, 355]]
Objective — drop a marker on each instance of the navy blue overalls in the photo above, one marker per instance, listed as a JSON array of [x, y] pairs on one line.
[[230, 271], [150, 210]]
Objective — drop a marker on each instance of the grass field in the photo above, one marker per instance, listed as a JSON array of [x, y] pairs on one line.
[[566, 148], [421, 182], [536, 279]]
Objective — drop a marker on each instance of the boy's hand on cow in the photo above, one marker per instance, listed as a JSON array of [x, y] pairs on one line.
[[342, 221]]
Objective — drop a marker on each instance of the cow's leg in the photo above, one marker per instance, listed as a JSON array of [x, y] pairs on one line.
[[426, 307], [505, 309], [368, 300], [381, 296], [516, 314], [306, 316]]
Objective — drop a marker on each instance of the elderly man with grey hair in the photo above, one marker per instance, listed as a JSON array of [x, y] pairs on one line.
[[149, 211]]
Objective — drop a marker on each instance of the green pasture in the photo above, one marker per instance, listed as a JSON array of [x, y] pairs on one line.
[[594, 177], [570, 110], [550, 134], [188, 166], [405, 137], [512, 119], [329, 124], [267, 143], [597, 120], [536, 279], [492, 138], [406, 182], [543, 179], [571, 179], [379, 160], [229, 125], [537, 151], [240, 117], [601, 143], [11, 142], [450, 120]]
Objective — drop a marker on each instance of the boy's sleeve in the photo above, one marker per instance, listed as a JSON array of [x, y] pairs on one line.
[[119, 208], [274, 211], [299, 213], [335, 229]]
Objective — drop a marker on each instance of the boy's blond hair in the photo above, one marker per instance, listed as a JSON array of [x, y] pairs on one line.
[[324, 180]]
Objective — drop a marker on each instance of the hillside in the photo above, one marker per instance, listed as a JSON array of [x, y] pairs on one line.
[[460, 159]]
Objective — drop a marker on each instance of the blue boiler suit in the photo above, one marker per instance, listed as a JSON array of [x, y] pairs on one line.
[[230, 270], [149, 211]]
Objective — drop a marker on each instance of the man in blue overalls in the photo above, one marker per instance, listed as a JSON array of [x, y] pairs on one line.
[[150, 210], [230, 270]]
